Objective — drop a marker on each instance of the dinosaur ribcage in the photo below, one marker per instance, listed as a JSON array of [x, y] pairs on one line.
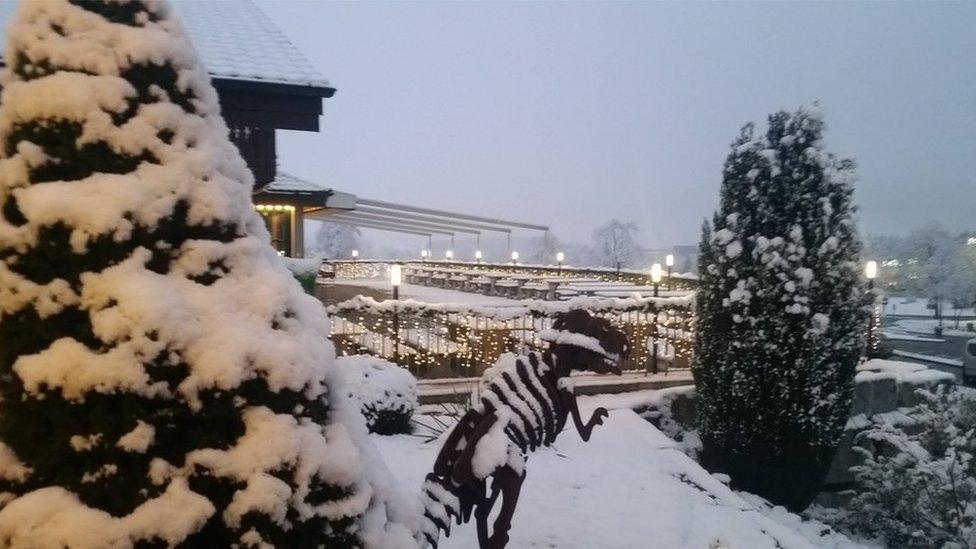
[[523, 392]]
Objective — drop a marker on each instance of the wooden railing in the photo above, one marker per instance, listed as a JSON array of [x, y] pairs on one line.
[[543, 281], [455, 340]]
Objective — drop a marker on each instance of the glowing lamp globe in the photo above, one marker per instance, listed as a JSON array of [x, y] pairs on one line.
[[656, 273], [871, 269]]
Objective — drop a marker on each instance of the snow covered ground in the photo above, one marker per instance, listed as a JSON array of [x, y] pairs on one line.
[[900, 371], [899, 335], [929, 358], [927, 326], [628, 487], [908, 306]]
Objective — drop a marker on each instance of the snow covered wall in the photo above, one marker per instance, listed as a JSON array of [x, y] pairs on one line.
[[163, 377]]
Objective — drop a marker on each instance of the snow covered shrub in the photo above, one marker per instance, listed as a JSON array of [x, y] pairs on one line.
[[163, 379], [305, 270], [780, 312], [917, 484], [386, 393]]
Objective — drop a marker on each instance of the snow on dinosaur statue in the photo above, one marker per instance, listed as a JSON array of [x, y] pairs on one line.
[[524, 404]]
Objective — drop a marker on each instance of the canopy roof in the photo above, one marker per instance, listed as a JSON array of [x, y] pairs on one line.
[[322, 203]]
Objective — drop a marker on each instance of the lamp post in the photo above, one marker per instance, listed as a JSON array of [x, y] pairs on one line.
[[669, 261], [559, 263], [355, 254], [477, 256], [396, 277], [870, 271], [656, 280], [656, 276]]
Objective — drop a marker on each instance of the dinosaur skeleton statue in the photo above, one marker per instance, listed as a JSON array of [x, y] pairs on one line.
[[525, 403]]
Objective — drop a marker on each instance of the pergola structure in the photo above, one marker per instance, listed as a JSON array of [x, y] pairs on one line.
[[288, 201]]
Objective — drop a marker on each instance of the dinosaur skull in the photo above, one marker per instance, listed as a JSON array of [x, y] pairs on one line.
[[592, 342]]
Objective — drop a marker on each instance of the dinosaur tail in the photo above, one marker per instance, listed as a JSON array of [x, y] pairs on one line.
[[441, 503]]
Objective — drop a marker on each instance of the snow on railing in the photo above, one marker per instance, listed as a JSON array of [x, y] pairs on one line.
[[460, 339], [534, 307], [363, 268]]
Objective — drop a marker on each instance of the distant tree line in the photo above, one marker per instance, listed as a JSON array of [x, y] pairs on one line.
[[930, 262]]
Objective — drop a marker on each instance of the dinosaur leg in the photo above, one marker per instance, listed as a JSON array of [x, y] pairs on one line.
[[510, 484], [483, 511]]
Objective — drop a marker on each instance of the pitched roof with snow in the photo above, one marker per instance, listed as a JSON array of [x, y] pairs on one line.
[[285, 183], [288, 189], [235, 40]]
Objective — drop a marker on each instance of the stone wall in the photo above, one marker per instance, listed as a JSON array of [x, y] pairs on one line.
[[882, 389]]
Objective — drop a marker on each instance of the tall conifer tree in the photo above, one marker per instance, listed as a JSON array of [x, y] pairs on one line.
[[781, 311], [163, 379]]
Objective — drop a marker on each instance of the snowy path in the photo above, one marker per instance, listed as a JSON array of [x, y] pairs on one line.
[[629, 487], [929, 358]]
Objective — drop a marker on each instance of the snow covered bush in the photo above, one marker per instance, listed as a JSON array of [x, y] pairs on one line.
[[780, 312], [305, 270], [163, 379], [386, 393], [917, 484]]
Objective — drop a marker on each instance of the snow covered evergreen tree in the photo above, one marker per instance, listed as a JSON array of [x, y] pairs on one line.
[[781, 311], [163, 379]]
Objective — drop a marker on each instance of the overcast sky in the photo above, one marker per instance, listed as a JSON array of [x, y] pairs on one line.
[[570, 114]]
